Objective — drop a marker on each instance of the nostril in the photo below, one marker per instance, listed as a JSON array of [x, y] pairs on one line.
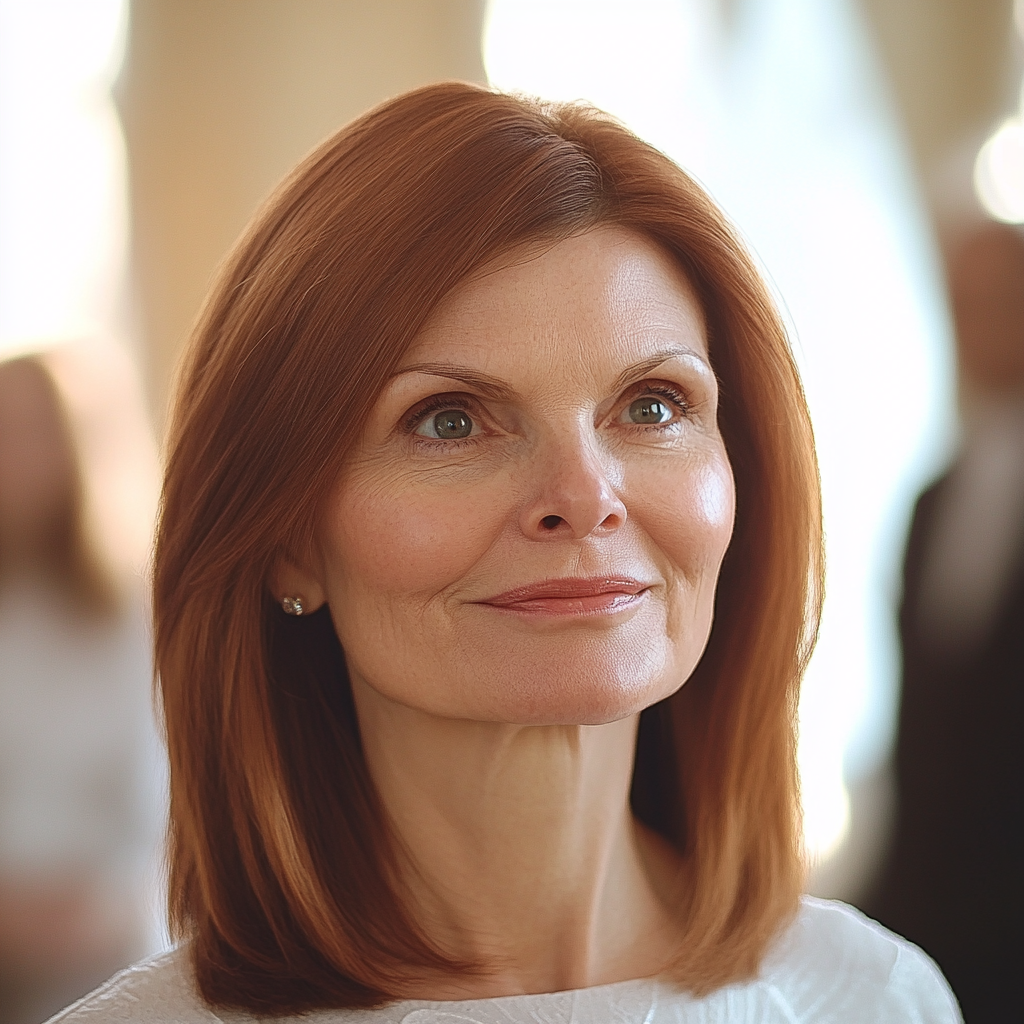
[[550, 522]]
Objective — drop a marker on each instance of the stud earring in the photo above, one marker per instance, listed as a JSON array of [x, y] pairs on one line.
[[292, 605]]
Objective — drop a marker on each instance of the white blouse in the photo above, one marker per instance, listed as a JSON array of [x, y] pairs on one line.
[[831, 965]]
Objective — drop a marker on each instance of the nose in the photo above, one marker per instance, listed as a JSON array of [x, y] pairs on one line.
[[573, 496]]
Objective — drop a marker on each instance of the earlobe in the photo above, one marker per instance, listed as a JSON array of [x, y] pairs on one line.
[[295, 588]]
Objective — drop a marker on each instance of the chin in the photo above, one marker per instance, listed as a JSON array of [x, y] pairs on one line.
[[583, 691]]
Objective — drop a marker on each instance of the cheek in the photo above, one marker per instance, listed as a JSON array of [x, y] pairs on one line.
[[690, 526], [689, 517], [715, 507], [406, 541]]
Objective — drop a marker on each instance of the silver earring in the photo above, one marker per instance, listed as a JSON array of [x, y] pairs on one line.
[[292, 605]]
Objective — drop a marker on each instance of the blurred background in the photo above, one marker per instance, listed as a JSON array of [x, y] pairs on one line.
[[871, 153]]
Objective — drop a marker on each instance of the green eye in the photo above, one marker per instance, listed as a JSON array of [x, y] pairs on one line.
[[649, 410], [451, 424]]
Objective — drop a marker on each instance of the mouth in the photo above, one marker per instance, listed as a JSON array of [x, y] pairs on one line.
[[571, 595]]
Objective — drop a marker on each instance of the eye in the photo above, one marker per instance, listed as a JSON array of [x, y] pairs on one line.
[[655, 404], [650, 409], [447, 425]]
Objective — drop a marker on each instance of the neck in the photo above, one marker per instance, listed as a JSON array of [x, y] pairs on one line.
[[520, 848]]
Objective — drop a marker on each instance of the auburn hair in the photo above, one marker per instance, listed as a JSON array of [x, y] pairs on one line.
[[282, 871]]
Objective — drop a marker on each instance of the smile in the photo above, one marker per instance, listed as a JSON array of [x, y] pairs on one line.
[[572, 596]]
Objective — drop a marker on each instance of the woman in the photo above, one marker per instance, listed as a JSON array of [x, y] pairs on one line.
[[485, 406]]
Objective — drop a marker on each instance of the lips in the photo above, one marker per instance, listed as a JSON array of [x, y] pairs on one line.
[[572, 595]]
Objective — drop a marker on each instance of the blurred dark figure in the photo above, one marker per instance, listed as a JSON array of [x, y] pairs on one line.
[[954, 879], [79, 799]]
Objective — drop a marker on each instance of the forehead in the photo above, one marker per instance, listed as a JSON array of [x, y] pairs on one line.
[[610, 293]]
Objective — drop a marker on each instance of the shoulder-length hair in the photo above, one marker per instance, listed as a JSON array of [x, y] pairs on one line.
[[282, 871]]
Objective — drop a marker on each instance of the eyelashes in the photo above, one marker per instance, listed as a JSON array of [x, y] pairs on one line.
[[414, 419], [435, 404], [663, 390]]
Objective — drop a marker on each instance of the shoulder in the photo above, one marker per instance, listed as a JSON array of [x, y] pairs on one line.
[[831, 963], [155, 991], [161, 990], [832, 958]]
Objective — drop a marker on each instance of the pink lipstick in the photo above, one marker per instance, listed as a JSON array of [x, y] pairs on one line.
[[571, 595]]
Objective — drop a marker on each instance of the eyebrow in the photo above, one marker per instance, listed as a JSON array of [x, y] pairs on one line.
[[640, 370], [489, 387], [492, 387]]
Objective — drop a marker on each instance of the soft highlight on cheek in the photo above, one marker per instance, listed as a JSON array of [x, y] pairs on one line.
[[688, 514], [716, 496], [687, 511]]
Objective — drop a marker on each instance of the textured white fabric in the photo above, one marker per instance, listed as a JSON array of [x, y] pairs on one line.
[[832, 966]]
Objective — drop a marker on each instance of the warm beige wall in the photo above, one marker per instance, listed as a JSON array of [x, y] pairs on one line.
[[952, 66], [220, 97]]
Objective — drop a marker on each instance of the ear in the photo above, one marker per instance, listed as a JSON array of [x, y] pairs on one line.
[[289, 579]]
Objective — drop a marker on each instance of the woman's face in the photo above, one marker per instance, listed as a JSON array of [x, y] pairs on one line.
[[532, 526]]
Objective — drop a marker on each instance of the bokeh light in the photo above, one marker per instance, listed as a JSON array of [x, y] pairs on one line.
[[999, 173], [999, 167]]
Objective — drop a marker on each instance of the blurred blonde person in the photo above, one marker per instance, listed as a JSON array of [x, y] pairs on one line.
[[81, 794]]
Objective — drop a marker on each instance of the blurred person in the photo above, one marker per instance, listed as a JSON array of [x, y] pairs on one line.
[[80, 794], [481, 611], [953, 881]]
